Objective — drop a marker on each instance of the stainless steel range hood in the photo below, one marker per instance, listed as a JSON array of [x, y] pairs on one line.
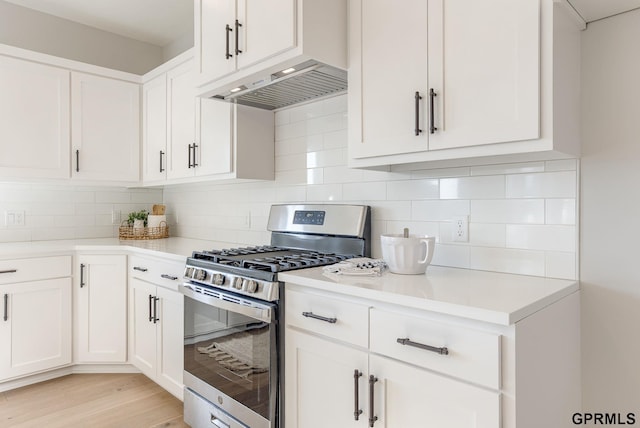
[[293, 85]]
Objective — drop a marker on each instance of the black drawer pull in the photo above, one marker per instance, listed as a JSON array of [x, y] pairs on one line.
[[82, 266], [9, 271], [407, 342], [141, 269], [432, 125], [356, 405], [171, 277], [6, 307], [318, 317], [372, 414]]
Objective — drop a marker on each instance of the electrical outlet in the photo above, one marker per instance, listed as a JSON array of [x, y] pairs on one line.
[[116, 217], [460, 229], [14, 218]]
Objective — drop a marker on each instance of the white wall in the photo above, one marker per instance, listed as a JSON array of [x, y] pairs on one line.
[[68, 211], [522, 216], [29, 29], [610, 211]]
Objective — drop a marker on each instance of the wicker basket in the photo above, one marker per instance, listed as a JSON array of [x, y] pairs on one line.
[[127, 232]]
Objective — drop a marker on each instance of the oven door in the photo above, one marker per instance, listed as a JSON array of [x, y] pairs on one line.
[[230, 358]]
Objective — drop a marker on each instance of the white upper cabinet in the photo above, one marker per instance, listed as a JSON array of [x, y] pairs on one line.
[[105, 128], [240, 42], [34, 106], [233, 34], [181, 129], [154, 123], [459, 81], [200, 138]]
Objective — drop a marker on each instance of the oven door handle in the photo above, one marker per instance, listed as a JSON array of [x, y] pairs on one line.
[[264, 313]]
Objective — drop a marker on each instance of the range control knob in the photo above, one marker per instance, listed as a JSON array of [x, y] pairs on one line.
[[218, 279], [237, 283], [200, 275], [249, 285], [188, 272]]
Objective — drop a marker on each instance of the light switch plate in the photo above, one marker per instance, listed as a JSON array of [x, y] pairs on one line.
[[14, 218]]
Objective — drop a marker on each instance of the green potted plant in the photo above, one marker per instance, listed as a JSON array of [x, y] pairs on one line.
[[138, 219]]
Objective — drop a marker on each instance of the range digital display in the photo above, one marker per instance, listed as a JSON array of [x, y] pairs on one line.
[[309, 217]]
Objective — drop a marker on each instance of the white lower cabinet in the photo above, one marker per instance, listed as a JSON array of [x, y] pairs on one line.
[[404, 396], [323, 379], [35, 328], [397, 367], [100, 300], [156, 322]]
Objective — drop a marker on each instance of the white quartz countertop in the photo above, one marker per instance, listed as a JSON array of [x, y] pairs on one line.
[[171, 248], [484, 296]]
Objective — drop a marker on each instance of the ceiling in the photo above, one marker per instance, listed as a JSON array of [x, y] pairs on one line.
[[592, 10], [158, 22]]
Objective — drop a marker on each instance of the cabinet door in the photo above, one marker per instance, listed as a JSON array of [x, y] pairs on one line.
[[484, 65], [36, 334], [154, 123], [105, 128], [101, 302], [170, 335], [405, 396], [211, 20], [181, 120], [388, 65], [265, 29], [215, 151], [143, 353], [34, 106], [319, 376]]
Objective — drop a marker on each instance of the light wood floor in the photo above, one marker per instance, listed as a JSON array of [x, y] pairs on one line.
[[92, 401]]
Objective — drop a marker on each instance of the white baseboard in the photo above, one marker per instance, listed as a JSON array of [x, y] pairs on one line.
[[63, 371]]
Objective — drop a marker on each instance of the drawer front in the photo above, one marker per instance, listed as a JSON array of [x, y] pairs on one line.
[[34, 269], [337, 319], [166, 273], [472, 355]]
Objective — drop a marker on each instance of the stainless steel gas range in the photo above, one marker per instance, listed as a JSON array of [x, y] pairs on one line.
[[234, 331]]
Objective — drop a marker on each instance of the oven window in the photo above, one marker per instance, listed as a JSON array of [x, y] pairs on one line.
[[231, 352]]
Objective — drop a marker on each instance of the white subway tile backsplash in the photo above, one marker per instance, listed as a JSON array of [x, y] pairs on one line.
[[542, 237], [487, 235], [560, 265], [484, 187], [315, 176], [376, 191], [441, 173], [515, 168], [527, 211], [543, 185], [423, 228], [560, 211], [561, 165], [390, 211], [440, 210], [342, 174], [289, 162], [335, 140], [451, 255], [413, 189], [324, 158], [523, 262], [324, 192]]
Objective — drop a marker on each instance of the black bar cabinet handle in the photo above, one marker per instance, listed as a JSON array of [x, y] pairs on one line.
[[195, 146], [238, 25], [150, 304], [6, 307], [356, 380], [432, 126], [161, 156], [407, 342], [227, 31], [372, 417], [82, 284], [141, 269], [9, 271], [318, 317], [155, 309], [190, 156], [77, 160], [166, 276], [417, 109]]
